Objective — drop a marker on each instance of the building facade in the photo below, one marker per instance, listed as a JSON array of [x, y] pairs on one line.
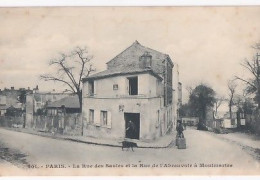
[[37, 101], [137, 87]]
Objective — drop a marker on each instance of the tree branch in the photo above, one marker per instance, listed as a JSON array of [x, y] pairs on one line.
[[51, 78], [247, 82], [250, 67]]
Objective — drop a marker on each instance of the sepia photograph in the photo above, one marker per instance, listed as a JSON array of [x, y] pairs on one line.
[[129, 91]]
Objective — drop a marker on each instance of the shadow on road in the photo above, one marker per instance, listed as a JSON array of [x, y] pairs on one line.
[[13, 156]]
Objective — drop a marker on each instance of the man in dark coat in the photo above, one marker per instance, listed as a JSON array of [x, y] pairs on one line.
[[130, 130], [180, 129]]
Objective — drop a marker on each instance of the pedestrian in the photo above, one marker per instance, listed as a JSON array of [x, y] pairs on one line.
[[130, 130], [184, 125], [180, 129]]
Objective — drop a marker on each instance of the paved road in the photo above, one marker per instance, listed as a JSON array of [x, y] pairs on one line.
[[23, 149]]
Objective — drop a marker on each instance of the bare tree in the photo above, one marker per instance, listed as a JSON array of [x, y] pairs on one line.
[[218, 101], [253, 67], [71, 68], [232, 88]]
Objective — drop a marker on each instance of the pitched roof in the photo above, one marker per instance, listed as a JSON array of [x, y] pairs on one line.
[[68, 102], [123, 71], [128, 62]]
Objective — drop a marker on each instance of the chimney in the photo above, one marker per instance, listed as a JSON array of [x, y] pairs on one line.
[[28, 88], [145, 61], [12, 88]]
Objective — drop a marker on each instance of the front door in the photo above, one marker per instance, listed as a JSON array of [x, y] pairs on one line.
[[132, 125]]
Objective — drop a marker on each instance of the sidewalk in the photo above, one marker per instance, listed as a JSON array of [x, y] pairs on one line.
[[162, 142]]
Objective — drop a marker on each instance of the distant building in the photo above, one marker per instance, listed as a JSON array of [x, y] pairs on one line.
[[138, 88], [37, 101], [3, 109], [190, 121], [12, 99], [222, 119], [66, 105]]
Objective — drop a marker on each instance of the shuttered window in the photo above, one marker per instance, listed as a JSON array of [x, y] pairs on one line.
[[109, 119], [103, 118], [97, 118]]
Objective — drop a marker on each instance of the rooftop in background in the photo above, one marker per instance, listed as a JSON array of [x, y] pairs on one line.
[[68, 102], [13, 89]]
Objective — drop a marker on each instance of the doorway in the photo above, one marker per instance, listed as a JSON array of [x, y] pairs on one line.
[[132, 125]]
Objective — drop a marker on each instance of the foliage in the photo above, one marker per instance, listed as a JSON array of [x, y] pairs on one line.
[[201, 97], [22, 97]]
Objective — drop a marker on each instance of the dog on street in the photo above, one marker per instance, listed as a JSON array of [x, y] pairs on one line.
[[127, 144]]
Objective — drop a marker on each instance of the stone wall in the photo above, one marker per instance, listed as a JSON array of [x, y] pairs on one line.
[[69, 124]]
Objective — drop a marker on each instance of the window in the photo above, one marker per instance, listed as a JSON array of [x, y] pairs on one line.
[[233, 122], [91, 88], [52, 112], [133, 85], [103, 118], [115, 87], [91, 116]]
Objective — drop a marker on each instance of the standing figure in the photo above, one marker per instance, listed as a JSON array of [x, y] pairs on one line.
[[180, 129], [130, 130]]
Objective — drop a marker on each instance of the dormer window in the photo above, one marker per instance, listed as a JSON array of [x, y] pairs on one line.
[[145, 60]]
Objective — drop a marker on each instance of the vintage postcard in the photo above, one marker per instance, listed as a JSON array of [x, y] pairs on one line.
[[129, 91]]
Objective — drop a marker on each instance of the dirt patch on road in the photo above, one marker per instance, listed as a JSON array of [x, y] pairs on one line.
[[13, 156], [254, 152]]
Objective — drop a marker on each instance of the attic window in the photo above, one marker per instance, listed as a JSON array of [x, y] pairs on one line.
[[145, 60]]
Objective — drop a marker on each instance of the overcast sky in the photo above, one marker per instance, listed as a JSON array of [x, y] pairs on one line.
[[207, 43]]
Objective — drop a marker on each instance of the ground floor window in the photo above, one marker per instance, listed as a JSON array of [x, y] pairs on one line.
[[103, 118], [52, 112], [91, 116]]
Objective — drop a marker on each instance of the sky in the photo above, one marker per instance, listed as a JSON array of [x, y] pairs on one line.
[[208, 43]]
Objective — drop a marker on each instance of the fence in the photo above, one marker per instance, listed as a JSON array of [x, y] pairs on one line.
[[12, 121], [69, 124]]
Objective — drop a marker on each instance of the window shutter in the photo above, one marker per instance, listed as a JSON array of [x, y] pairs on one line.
[[97, 117], [109, 119]]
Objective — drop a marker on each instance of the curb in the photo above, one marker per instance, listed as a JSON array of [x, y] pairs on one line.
[[89, 142]]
